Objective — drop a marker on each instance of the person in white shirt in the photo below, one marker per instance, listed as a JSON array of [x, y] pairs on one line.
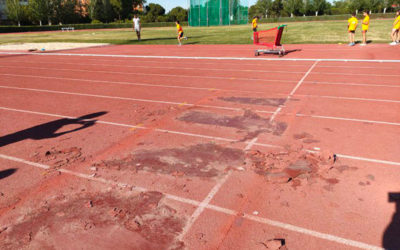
[[136, 26]]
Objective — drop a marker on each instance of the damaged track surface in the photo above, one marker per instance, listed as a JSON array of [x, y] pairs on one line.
[[202, 160], [186, 137], [108, 219]]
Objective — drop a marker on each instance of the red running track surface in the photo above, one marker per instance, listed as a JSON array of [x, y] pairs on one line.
[[165, 151]]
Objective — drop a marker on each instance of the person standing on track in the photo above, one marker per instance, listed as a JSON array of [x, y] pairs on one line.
[[254, 23], [395, 31], [352, 26], [365, 26], [180, 33], [136, 26]]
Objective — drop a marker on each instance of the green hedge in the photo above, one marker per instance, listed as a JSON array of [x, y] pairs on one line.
[[14, 29], [321, 18]]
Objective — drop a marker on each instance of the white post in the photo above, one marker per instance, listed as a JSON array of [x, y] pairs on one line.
[[208, 24], [229, 8], [199, 14], [220, 12]]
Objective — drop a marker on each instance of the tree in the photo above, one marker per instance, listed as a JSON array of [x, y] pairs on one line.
[[116, 6], [153, 11], [41, 10], [356, 5], [15, 11], [307, 8], [340, 7], [100, 10], [319, 6], [374, 5], [264, 7], [65, 11], [178, 14], [293, 7], [277, 7]]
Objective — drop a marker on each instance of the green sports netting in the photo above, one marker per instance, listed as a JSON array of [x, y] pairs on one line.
[[218, 12]]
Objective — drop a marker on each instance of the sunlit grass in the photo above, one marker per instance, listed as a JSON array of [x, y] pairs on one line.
[[297, 32]]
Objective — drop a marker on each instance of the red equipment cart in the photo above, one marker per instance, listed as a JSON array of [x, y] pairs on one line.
[[270, 38]]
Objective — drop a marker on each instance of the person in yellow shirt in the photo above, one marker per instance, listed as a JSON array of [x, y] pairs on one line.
[[395, 31], [180, 32], [352, 26], [365, 27], [254, 23]]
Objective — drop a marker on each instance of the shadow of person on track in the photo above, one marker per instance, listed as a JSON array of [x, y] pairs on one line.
[[291, 51], [7, 172], [391, 237], [49, 130]]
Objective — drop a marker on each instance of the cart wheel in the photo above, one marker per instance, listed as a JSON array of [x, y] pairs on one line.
[[257, 53]]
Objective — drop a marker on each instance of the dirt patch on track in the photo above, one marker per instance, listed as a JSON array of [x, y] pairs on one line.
[[305, 138], [97, 221], [249, 122], [57, 158], [275, 102], [201, 160], [297, 166]]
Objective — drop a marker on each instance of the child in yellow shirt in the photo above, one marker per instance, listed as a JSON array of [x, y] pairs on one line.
[[352, 26], [395, 31], [365, 27], [180, 32], [254, 23]]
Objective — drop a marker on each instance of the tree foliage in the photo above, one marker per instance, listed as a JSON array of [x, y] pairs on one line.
[[16, 11], [177, 14]]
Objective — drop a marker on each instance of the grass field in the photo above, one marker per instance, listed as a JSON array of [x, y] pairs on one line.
[[299, 32]]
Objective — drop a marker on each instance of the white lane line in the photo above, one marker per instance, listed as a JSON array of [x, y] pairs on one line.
[[258, 219], [368, 159], [302, 79], [34, 164], [113, 82], [203, 205], [353, 74], [192, 135], [202, 69], [163, 62], [313, 233], [353, 84], [349, 98], [352, 67], [128, 125], [154, 67], [349, 119], [133, 83], [196, 214], [132, 99], [251, 144], [153, 74], [200, 88], [174, 62], [279, 109], [204, 57]]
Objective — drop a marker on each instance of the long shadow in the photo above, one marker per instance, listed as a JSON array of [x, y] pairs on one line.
[[391, 237], [49, 130], [7, 172], [11, 55], [134, 41], [291, 51]]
